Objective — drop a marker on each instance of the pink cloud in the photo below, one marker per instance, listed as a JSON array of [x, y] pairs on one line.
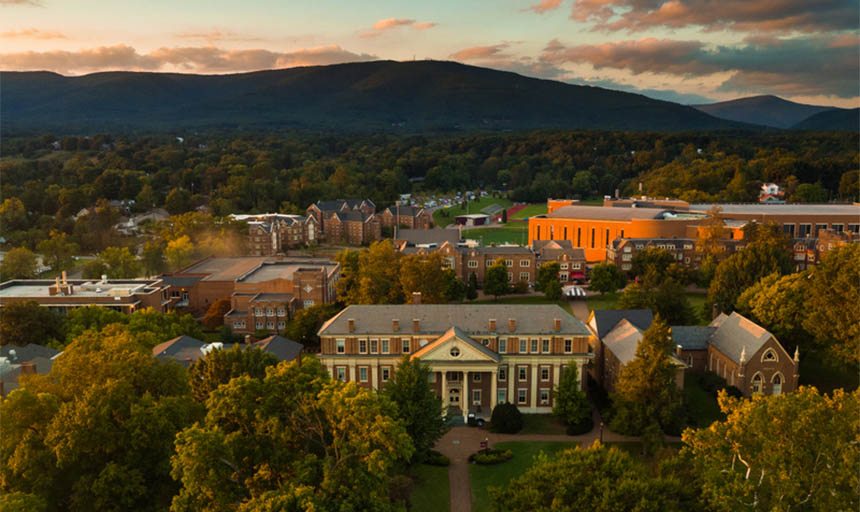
[[480, 52], [424, 26], [31, 33], [390, 23], [645, 55], [216, 35], [544, 6]]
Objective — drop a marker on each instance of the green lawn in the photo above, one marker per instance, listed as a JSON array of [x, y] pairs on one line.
[[511, 233], [702, 406], [542, 424], [819, 370], [444, 216], [526, 299], [431, 492], [592, 201], [498, 475], [530, 211], [697, 300], [605, 301]]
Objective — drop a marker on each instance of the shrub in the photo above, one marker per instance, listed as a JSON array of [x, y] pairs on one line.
[[583, 427], [506, 419], [520, 287], [435, 458], [491, 456]]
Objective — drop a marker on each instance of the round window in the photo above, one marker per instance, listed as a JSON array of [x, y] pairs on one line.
[[455, 351]]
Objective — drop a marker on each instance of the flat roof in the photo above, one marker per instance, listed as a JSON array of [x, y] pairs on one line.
[[38, 288], [604, 213], [231, 269], [270, 270], [783, 209]]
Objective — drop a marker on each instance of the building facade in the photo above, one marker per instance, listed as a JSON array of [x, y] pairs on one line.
[[571, 260], [410, 217], [62, 295], [273, 233], [321, 210], [353, 227], [479, 355]]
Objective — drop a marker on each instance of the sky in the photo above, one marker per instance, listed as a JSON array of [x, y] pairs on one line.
[[688, 51]]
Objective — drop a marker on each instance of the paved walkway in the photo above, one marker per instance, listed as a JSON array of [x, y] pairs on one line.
[[460, 442], [580, 310]]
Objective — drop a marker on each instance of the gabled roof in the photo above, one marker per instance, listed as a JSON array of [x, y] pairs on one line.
[[338, 204], [352, 216], [692, 337], [21, 354], [282, 348], [455, 333], [553, 249], [604, 320], [404, 211], [171, 347], [428, 236], [734, 333], [622, 340]]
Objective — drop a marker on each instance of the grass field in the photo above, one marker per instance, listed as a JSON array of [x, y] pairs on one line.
[[431, 492], [482, 477], [530, 211], [702, 406], [542, 424], [526, 299], [444, 216], [509, 234]]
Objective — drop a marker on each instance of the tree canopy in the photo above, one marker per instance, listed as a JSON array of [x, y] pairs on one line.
[[606, 278]]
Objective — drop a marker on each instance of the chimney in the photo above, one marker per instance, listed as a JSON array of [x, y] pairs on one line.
[[395, 325], [416, 297], [557, 324], [28, 368], [415, 325], [492, 325], [512, 324], [64, 277], [678, 350], [247, 339], [351, 325]]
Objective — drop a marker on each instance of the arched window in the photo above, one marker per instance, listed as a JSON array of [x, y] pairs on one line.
[[756, 383], [776, 382], [769, 356]]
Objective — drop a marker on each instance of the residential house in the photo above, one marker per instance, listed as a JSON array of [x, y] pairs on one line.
[[30, 359], [571, 260], [187, 350]]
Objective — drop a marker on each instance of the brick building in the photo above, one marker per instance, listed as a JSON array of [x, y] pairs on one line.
[[410, 217], [571, 260], [353, 227], [321, 211], [273, 233], [479, 355], [61, 294]]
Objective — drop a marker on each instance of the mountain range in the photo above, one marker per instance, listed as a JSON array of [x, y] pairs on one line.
[[408, 97], [768, 111]]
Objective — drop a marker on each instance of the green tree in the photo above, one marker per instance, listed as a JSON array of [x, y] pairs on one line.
[[809, 193], [496, 279], [795, 451], [606, 278], [709, 244], [58, 250], [294, 440], [646, 394], [506, 419], [849, 185], [347, 286], [779, 304], [120, 263], [379, 275], [455, 290], [569, 401], [214, 317], [546, 273], [553, 290], [19, 263], [13, 215], [24, 322], [220, 366], [665, 297], [651, 258], [153, 258], [764, 256], [472, 289], [178, 201], [418, 407], [179, 252], [596, 478], [421, 273], [93, 269], [306, 324], [832, 292], [92, 318]]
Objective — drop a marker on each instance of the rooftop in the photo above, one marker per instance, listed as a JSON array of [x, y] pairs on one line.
[[39, 288], [605, 213], [245, 268], [734, 333], [604, 320], [622, 340], [784, 209]]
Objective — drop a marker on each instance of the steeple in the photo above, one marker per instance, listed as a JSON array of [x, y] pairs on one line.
[[743, 355], [797, 354]]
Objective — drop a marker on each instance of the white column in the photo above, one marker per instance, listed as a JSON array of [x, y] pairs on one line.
[[556, 374], [534, 385], [512, 374], [494, 377], [374, 371], [582, 376], [445, 390], [353, 377], [465, 399]]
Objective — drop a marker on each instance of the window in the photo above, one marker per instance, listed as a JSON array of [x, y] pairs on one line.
[[453, 376], [565, 233], [362, 346], [592, 238], [534, 346], [568, 346], [282, 312], [688, 246], [756, 383], [837, 227], [473, 264], [503, 346], [769, 356], [524, 276], [485, 342], [341, 373], [384, 346], [258, 324], [509, 263], [503, 373], [521, 396], [502, 396], [405, 346], [804, 230], [522, 346], [626, 257], [270, 312], [362, 374], [476, 377], [575, 266], [308, 303], [562, 276], [525, 263], [776, 384], [510, 276], [476, 397], [374, 346], [607, 239], [521, 371], [578, 237], [489, 263], [385, 373], [432, 377], [544, 373], [455, 352], [626, 266], [281, 324], [258, 311], [819, 227], [627, 248], [341, 344], [545, 346], [854, 228], [544, 396], [562, 266], [788, 229], [235, 324]]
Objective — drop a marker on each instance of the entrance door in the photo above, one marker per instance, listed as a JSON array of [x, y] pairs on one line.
[[454, 397]]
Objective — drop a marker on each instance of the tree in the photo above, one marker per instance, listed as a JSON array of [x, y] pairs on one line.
[[764, 256], [19, 263], [293, 440], [153, 258], [795, 451], [347, 285], [665, 297], [569, 401], [651, 258], [596, 478], [421, 273], [214, 317], [120, 263], [553, 290], [605, 277], [849, 185], [472, 289], [179, 252], [546, 273], [504, 216], [57, 251], [832, 292], [91, 318], [455, 290], [779, 304], [379, 271], [220, 366], [177, 201], [809, 193], [709, 244], [418, 407], [506, 419], [306, 324], [24, 322], [13, 215], [496, 279], [646, 395], [93, 269]]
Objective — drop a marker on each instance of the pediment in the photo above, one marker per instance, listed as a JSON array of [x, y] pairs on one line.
[[456, 346]]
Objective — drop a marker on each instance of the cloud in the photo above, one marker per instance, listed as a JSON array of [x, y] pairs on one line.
[[544, 6], [31, 33], [791, 67], [29, 3], [207, 59], [424, 26], [390, 23], [495, 57], [216, 35], [480, 52], [740, 15]]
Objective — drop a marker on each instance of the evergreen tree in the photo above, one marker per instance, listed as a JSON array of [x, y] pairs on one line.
[[569, 401]]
